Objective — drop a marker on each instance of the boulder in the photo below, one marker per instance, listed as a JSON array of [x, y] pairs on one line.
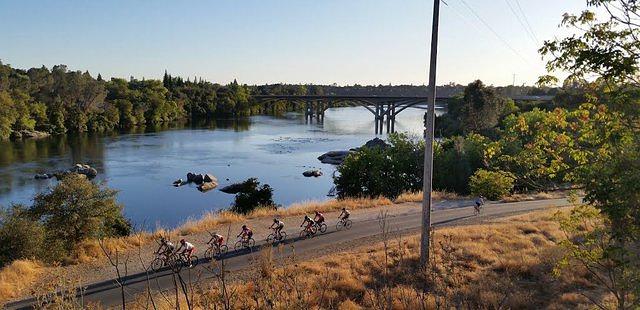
[[43, 176], [312, 173], [210, 178], [334, 157], [87, 170], [376, 142], [198, 179], [178, 182], [232, 188], [190, 177], [207, 186]]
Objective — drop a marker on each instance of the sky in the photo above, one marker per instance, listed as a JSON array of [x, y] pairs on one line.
[[346, 42]]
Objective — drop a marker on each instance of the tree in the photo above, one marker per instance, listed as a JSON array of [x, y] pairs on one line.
[[7, 115], [78, 209], [478, 110]]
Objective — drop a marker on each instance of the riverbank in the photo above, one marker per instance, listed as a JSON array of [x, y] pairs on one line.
[[89, 263]]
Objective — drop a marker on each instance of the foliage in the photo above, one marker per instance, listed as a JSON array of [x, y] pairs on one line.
[[20, 236], [591, 245], [491, 184], [377, 171], [78, 209], [253, 196], [455, 160], [478, 110]]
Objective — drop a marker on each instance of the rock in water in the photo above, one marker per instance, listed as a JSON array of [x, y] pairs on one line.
[[376, 142], [232, 188], [198, 179], [312, 173], [43, 176], [207, 186], [178, 182], [210, 178], [334, 157], [190, 176]]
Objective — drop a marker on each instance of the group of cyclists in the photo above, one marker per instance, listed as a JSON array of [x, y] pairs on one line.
[[186, 249]]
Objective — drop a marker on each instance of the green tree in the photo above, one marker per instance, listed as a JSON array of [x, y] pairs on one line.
[[78, 209], [7, 115], [20, 236]]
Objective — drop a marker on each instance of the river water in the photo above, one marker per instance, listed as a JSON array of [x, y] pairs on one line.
[[142, 166]]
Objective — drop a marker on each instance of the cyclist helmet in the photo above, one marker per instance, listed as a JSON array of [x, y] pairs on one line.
[[182, 241], [275, 219], [317, 212], [343, 208], [244, 226], [163, 240]]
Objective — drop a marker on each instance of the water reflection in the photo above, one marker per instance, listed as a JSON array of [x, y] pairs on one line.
[[142, 163]]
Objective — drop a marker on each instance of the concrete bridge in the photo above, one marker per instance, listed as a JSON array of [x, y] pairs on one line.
[[384, 108]]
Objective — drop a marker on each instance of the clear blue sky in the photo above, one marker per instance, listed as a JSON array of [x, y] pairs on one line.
[[271, 41]]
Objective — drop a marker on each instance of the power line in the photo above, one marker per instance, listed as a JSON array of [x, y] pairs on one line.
[[517, 16], [526, 20], [496, 34]]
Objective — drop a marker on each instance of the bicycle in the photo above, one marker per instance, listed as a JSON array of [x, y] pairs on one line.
[[160, 260], [215, 250], [308, 232], [344, 223], [181, 261], [244, 243], [322, 227], [275, 238], [476, 209]]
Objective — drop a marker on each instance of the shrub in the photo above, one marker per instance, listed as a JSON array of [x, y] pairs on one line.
[[455, 161], [491, 184], [20, 236], [78, 209], [379, 171], [253, 196]]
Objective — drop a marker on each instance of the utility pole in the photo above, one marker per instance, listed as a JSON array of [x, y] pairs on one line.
[[428, 149]]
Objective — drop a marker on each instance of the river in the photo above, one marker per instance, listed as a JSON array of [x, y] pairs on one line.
[[142, 165]]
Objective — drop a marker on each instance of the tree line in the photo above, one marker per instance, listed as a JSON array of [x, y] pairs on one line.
[[59, 100]]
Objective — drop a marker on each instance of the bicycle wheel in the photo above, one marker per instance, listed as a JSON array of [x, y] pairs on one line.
[[271, 238], [304, 234], [194, 261], [339, 225], [323, 228], [157, 264], [209, 253], [283, 236], [347, 224], [250, 243], [314, 230], [238, 245], [223, 249]]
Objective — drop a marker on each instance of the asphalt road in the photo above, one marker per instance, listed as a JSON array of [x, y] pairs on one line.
[[108, 293]]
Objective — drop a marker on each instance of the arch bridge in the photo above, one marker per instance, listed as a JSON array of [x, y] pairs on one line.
[[384, 108]]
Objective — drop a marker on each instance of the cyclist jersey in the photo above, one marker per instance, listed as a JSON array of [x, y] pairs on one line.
[[169, 245], [188, 246], [247, 232], [279, 224], [320, 217], [217, 238]]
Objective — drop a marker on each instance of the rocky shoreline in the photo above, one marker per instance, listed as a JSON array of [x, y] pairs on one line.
[[337, 157]]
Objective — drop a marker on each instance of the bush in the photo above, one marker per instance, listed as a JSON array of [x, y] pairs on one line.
[[20, 236], [455, 161], [78, 209], [491, 184], [253, 196], [379, 171]]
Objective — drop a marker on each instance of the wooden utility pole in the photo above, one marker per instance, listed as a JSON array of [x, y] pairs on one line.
[[428, 149]]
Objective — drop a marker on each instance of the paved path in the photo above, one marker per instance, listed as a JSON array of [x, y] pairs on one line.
[[109, 294]]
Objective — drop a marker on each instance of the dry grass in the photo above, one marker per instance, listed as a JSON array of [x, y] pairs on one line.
[[18, 277], [535, 196], [506, 264], [214, 219], [417, 197]]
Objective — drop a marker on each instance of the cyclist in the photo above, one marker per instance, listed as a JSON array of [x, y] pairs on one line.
[[277, 226], [479, 203], [166, 247], [188, 250], [344, 215], [216, 240], [319, 218], [307, 220], [246, 233]]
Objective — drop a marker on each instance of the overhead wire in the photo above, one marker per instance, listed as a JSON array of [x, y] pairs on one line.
[[526, 20], [495, 33], [520, 20]]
